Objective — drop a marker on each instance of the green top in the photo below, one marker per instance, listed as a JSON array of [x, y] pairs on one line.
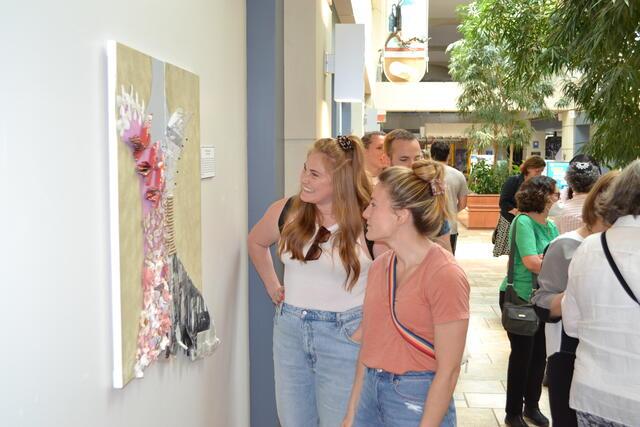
[[531, 239]]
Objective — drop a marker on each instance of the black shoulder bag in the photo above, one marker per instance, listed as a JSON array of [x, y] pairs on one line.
[[518, 316], [283, 214], [614, 267]]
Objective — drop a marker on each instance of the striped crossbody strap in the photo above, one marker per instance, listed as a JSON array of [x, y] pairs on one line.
[[416, 341]]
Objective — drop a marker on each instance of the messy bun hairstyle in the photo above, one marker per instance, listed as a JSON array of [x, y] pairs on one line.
[[421, 190]]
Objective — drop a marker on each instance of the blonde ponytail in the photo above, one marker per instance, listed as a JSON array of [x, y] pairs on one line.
[[421, 190]]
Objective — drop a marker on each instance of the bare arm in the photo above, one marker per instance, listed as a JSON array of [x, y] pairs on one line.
[[462, 202], [264, 234], [533, 263], [449, 340]]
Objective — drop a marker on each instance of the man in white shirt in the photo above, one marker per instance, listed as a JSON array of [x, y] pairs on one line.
[[457, 189]]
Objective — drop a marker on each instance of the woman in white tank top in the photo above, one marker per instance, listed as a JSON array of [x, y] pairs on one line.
[[321, 242], [319, 285]]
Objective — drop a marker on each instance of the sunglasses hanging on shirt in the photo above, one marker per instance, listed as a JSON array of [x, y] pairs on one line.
[[314, 252]]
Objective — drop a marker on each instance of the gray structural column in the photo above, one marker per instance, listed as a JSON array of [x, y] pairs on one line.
[[265, 161], [582, 133]]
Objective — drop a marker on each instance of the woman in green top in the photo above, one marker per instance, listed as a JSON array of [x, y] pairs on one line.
[[528, 356]]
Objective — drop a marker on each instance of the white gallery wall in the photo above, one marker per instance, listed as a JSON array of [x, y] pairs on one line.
[[55, 364], [308, 34]]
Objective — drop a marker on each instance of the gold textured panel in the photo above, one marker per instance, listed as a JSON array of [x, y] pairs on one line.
[[134, 68]]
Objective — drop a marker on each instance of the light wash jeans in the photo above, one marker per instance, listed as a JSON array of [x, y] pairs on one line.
[[391, 400], [314, 362]]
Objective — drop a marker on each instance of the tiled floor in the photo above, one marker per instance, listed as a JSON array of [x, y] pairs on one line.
[[480, 394]]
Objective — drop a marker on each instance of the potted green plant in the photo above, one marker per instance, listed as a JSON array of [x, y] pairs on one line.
[[485, 183]]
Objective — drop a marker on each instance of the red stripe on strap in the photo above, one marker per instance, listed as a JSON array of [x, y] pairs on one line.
[[416, 342]]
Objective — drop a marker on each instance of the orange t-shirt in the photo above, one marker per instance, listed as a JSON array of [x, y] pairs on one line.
[[436, 292]]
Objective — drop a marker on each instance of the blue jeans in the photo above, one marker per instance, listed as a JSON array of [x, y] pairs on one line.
[[390, 400], [314, 363]]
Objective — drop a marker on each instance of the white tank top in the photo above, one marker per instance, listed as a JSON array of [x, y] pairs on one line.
[[320, 284]]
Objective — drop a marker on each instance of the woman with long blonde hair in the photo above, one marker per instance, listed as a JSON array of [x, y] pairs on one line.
[[320, 239]]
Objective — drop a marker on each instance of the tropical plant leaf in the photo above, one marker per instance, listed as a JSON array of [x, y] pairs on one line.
[[496, 94]]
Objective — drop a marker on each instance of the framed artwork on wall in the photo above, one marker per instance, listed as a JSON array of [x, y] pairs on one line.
[[155, 223]]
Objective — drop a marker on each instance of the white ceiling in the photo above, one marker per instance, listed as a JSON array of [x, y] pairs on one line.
[[443, 23]]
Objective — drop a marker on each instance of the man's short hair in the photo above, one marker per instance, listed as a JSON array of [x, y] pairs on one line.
[[440, 150], [396, 134], [367, 137]]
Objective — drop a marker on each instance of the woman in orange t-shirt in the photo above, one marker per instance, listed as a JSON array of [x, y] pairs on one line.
[[409, 363]]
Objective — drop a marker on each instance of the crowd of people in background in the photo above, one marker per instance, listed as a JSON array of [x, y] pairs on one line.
[[584, 288], [372, 311]]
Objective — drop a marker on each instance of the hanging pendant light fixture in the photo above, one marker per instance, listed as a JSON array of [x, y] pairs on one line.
[[405, 60]]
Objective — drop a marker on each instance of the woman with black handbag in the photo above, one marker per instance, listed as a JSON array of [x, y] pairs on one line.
[[552, 282], [533, 231]]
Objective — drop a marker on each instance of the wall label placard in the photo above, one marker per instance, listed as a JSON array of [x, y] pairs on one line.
[[207, 161]]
